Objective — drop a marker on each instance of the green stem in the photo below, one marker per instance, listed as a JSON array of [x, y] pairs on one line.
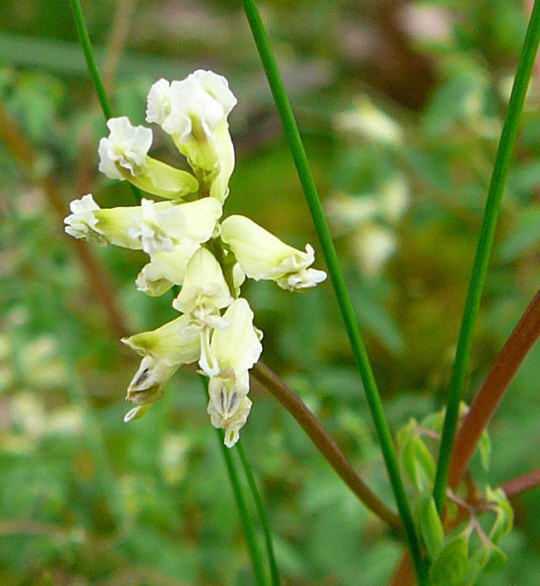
[[360, 355], [274, 572], [93, 70], [247, 521], [483, 251]]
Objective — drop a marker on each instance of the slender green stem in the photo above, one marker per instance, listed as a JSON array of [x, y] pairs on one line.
[[274, 572], [93, 70], [362, 361], [483, 251], [238, 491]]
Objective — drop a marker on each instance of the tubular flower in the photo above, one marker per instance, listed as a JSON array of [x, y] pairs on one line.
[[264, 256], [163, 350], [152, 226], [227, 360], [123, 155], [194, 112]]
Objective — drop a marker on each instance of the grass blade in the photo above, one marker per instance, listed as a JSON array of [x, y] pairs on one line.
[[274, 571], [483, 250], [361, 358]]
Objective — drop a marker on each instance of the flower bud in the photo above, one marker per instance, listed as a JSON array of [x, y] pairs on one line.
[[263, 256]]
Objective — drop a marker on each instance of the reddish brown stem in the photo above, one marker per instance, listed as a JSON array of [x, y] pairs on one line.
[[324, 443], [522, 483], [493, 388], [404, 573], [24, 154]]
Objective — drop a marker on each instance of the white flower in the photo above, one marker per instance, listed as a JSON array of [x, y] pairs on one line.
[[124, 155], [204, 291], [152, 226], [125, 148], [194, 112], [82, 222], [227, 360], [369, 121], [217, 86], [193, 105], [162, 226], [158, 229], [394, 198], [166, 268], [234, 350], [373, 245], [163, 350], [264, 256], [101, 226], [166, 344]]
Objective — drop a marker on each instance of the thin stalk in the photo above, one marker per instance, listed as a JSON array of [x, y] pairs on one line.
[[522, 483], [321, 226], [239, 497], [492, 391], [93, 70], [326, 446], [274, 571], [483, 251]]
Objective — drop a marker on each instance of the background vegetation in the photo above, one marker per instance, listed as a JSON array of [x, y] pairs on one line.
[[86, 499]]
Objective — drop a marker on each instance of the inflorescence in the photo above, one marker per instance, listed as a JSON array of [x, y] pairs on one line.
[[189, 245]]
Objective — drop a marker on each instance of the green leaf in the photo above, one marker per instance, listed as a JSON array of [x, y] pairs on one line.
[[484, 449], [475, 565], [497, 558], [418, 463], [504, 519], [434, 421], [450, 566], [431, 528], [405, 433]]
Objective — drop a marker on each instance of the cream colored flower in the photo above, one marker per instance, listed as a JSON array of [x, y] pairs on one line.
[[123, 155], [227, 360], [163, 351], [204, 291], [166, 269], [125, 149], [191, 106], [264, 256], [152, 226], [232, 351], [373, 245], [194, 112]]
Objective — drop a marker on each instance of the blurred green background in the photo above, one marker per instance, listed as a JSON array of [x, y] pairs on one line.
[[400, 104]]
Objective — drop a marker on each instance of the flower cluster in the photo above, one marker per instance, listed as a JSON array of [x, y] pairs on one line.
[[189, 246]]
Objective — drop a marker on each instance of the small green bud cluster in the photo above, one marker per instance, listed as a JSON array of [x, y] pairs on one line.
[[459, 556], [187, 245]]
